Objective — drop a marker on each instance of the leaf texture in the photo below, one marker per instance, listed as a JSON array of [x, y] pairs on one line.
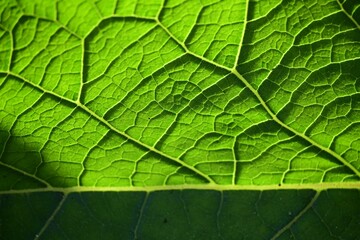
[[136, 94]]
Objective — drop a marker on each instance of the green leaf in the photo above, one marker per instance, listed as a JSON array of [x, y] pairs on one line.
[[179, 119]]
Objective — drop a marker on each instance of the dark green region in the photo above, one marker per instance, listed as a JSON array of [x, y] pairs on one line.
[[182, 214]]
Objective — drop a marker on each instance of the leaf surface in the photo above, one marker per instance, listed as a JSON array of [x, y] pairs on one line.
[[196, 98]]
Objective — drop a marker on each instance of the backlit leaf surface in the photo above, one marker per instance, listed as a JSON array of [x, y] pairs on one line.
[[179, 119]]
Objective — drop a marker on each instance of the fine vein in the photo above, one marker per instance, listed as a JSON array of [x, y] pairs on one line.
[[297, 217], [105, 122], [263, 103], [52, 216]]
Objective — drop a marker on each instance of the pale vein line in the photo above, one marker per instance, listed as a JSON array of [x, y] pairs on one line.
[[271, 9], [117, 57], [16, 118], [297, 217], [25, 174], [289, 168], [52, 216], [190, 52], [272, 187], [284, 54], [303, 136], [60, 25], [235, 161], [11, 49], [147, 146], [135, 87], [140, 216], [161, 8], [185, 108], [117, 17], [83, 168], [348, 15], [243, 33], [223, 67], [218, 214], [97, 10], [234, 67], [82, 80], [123, 134], [263, 103]]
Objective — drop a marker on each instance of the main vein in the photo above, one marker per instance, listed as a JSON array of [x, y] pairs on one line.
[[211, 187]]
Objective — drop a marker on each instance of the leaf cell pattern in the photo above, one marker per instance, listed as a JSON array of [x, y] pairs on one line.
[[155, 119], [139, 93]]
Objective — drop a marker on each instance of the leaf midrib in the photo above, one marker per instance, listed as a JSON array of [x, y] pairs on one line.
[[312, 186]]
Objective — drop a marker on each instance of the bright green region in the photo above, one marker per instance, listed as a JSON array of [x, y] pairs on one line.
[[16, 98], [336, 81], [111, 162], [39, 8], [152, 109], [68, 147], [27, 139], [348, 144], [218, 31], [180, 17], [109, 41], [210, 29], [142, 93], [117, 65], [154, 170], [260, 9], [264, 48], [47, 55], [140, 8], [282, 157], [176, 113], [104, 8], [113, 112], [10, 14], [117, 162], [5, 50], [79, 16]]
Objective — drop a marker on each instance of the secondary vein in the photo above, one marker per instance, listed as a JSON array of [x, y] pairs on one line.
[[297, 217], [106, 123], [303, 136], [263, 103]]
